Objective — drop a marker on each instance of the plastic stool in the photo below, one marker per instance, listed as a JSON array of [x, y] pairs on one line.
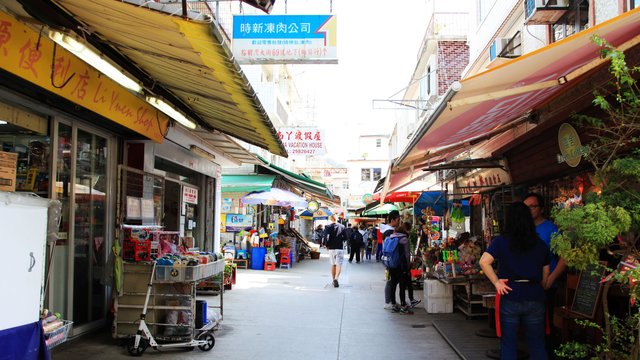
[[285, 258], [269, 266]]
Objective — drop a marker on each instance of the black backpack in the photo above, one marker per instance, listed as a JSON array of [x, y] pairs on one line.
[[356, 238]]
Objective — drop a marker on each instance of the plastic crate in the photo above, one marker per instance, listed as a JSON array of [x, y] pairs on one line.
[[185, 273], [59, 335], [193, 273], [166, 273]]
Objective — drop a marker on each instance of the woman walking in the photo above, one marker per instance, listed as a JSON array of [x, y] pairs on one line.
[[523, 260]]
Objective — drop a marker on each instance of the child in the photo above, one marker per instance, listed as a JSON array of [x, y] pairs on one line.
[[368, 246]]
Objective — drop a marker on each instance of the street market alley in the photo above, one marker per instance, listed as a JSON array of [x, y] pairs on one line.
[[297, 314]]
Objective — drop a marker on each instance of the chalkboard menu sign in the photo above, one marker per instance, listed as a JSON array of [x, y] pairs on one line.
[[587, 294]]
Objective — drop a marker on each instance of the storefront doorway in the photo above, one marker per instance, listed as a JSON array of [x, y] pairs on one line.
[[83, 166]]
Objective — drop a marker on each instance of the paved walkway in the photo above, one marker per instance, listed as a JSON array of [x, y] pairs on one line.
[[298, 314]]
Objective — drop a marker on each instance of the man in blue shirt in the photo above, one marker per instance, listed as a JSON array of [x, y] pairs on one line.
[[545, 229]]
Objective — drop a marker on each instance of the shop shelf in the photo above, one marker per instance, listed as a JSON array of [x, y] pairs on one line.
[[59, 335]]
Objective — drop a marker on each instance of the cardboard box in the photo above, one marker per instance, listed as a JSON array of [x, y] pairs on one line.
[[8, 165]]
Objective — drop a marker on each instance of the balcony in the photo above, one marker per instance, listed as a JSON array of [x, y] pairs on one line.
[[545, 12]]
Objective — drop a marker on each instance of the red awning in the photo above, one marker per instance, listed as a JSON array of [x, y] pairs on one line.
[[490, 101], [499, 95], [400, 196]]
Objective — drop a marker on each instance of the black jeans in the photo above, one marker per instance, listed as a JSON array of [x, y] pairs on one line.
[[405, 284], [354, 250], [391, 285]]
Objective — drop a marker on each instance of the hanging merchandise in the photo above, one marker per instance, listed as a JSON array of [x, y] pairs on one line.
[[457, 218]]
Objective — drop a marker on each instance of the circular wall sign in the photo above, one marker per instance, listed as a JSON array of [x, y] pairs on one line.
[[313, 206]]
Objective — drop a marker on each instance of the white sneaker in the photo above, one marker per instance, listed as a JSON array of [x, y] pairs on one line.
[[388, 306]]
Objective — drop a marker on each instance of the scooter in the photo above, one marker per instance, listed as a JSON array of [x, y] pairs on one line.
[[143, 339]]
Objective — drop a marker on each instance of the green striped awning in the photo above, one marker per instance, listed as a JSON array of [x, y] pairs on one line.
[[247, 183]]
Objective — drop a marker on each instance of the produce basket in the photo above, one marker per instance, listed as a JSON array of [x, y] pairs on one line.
[[59, 335]]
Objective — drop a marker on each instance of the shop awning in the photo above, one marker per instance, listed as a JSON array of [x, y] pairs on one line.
[[382, 209], [228, 146], [247, 183], [187, 58], [490, 101], [302, 182], [399, 196]]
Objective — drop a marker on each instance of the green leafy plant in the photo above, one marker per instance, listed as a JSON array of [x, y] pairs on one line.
[[610, 220]]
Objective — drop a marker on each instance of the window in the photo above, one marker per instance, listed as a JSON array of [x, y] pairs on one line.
[[575, 20], [345, 185], [378, 143], [365, 174], [377, 173]]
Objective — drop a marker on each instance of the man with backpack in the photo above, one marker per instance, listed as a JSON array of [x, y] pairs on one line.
[[390, 258], [395, 256], [335, 234], [355, 242]]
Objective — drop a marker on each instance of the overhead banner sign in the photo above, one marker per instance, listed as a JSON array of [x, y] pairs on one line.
[[276, 39], [302, 140]]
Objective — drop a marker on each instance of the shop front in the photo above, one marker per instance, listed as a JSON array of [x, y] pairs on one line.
[[72, 134]]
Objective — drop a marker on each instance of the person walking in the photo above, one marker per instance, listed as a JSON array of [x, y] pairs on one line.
[[365, 236], [524, 268], [348, 234], [379, 238], [369, 243], [335, 236], [355, 242]]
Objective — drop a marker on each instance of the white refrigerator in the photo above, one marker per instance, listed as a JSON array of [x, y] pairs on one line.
[[23, 235]]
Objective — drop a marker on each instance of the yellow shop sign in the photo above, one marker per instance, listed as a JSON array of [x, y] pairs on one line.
[[571, 148], [34, 57]]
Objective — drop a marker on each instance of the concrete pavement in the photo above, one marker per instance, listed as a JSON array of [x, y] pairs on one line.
[[297, 314]]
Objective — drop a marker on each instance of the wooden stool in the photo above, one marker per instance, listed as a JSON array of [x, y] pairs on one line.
[[241, 263]]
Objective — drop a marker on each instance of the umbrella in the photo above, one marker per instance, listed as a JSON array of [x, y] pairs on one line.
[[321, 214], [382, 209], [276, 197]]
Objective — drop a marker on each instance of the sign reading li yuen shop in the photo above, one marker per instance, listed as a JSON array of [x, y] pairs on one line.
[[272, 39], [302, 140]]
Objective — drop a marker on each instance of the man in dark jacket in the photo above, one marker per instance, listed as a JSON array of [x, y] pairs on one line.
[[335, 235]]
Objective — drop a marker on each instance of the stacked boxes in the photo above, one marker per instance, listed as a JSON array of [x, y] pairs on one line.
[[438, 297], [136, 244], [167, 242]]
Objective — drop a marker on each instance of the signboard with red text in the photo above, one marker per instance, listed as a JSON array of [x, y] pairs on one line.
[[302, 140]]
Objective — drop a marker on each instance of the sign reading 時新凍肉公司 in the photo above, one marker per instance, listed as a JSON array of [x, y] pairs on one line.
[[285, 39], [302, 140]]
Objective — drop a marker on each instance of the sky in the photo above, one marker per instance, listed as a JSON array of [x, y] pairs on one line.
[[378, 43]]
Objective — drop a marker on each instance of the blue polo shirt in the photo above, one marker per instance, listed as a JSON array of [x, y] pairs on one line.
[[521, 266], [545, 230]]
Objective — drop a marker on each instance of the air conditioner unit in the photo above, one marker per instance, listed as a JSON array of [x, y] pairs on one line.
[[505, 47], [545, 12], [552, 3]]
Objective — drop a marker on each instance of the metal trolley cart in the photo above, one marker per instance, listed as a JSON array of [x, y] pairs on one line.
[[170, 294]]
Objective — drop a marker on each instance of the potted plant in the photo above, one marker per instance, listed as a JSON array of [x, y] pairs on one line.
[[608, 217], [229, 275]]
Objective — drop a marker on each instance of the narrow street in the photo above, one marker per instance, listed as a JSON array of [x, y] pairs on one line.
[[298, 314]]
